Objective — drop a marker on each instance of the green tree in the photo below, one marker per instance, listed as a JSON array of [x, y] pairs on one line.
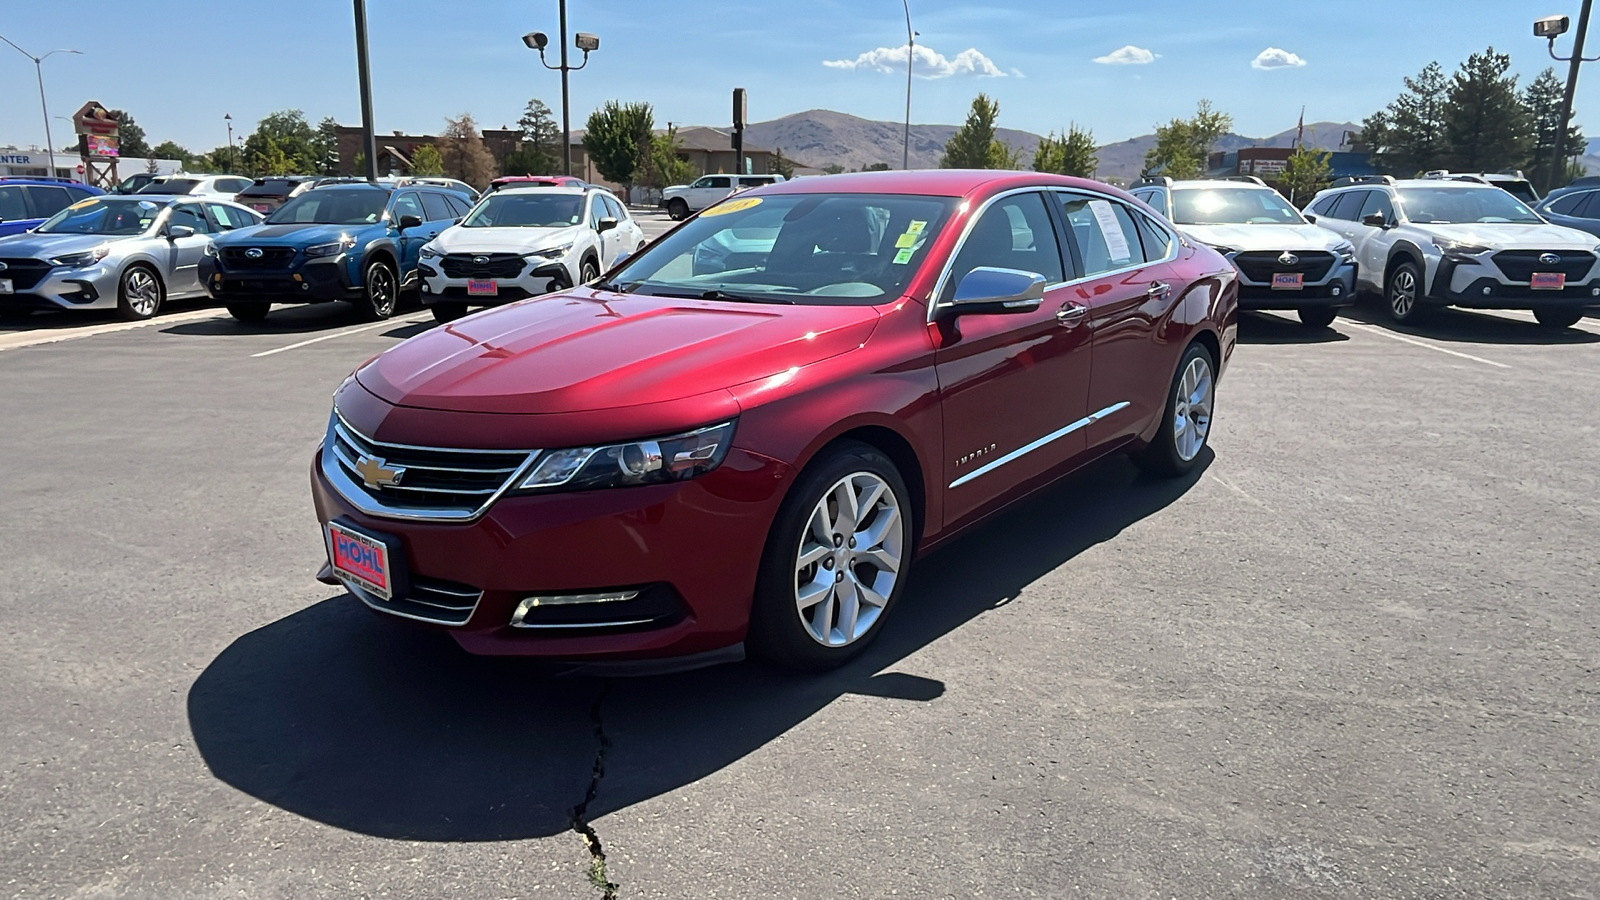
[[1306, 172], [130, 137], [427, 161], [1486, 126], [272, 159], [285, 131], [1542, 99], [463, 154], [541, 140], [1183, 146], [325, 147], [619, 139], [1408, 137], [877, 167], [832, 169], [665, 167], [1071, 154], [782, 165], [974, 145], [171, 150]]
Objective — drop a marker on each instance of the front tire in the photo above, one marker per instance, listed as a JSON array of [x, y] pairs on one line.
[[1557, 316], [249, 312], [1317, 316], [588, 271], [448, 312], [835, 563], [1186, 424], [1403, 294], [139, 293], [677, 210], [381, 291]]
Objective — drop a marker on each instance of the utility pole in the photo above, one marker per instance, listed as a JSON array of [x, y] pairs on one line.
[[38, 68], [369, 136], [738, 130]]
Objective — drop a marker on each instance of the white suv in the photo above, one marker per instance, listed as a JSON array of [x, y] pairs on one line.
[[522, 242], [1283, 261], [1426, 243], [682, 199]]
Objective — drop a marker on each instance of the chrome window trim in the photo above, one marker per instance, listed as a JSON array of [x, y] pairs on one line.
[[1053, 436]]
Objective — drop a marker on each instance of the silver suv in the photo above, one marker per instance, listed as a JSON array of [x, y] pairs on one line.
[[1426, 243]]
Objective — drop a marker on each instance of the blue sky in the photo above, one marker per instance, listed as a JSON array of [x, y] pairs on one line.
[[179, 65]]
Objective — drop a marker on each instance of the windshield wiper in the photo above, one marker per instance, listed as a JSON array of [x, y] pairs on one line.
[[743, 298]]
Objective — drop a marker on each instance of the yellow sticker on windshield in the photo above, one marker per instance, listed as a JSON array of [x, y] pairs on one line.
[[82, 203], [916, 226], [732, 206], [905, 240], [904, 256]]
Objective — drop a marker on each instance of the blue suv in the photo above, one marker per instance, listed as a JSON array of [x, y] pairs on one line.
[[355, 242], [26, 202]]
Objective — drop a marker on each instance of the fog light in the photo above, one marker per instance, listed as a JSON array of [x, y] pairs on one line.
[[1337, 290], [1487, 291], [426, 288], [529, 604], [1594, 292], [305, 287]]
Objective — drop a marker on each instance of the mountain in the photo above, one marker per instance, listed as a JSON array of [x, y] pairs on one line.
[[820, 137]]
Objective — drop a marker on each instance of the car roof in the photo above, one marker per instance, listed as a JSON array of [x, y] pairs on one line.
[[544, 190], [1198, 183], [932, 182]]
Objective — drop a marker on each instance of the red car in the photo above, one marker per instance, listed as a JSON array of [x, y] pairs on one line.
[[745, 434]]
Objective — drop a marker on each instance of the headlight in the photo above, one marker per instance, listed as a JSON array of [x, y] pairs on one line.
[[333, 248], [550, 252], [79, 260], [428, 252], [211, 249], [1346, 251], [675, 458], [1458, 250]]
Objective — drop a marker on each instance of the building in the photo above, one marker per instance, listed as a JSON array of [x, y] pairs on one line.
[[1267, 163], [32, 162]]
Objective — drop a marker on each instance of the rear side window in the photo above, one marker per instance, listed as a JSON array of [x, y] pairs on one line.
[[1349, 206], [1590, 207], [1157, 240], [1324, 206], [458, 206], [233, 185], [47, 201], [1104, 232], [722, 182], [406, 205], [436, 208], [614, 209], [12, 206], [190, 215]]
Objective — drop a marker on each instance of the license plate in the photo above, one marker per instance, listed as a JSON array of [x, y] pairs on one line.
[[261, 207], [360, 558], [1288, 281], [1548, 281], [5, 286], [485, 287]]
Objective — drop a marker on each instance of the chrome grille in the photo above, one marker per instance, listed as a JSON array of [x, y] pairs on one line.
[[25, 273], [429, 600], [429, 482]]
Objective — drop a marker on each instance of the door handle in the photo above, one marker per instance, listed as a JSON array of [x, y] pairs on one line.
[[1072, 314], [1158, 289]]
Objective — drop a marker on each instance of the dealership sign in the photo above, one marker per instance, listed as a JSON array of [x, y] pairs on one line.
[[16, 159]]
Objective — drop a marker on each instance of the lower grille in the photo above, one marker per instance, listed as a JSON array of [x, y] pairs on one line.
[[1261, 265], [1519, 265], [494, 265], [429, 600], [24, 273], [420, 482]]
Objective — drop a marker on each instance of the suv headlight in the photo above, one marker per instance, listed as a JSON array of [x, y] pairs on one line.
[[211, 249], [550, 252], [1346, 252], [427, 252], [1459, 250], [658, 461], [332, 248], [79, 260]]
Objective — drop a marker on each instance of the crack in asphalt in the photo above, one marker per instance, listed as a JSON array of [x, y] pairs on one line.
[[598, 876]]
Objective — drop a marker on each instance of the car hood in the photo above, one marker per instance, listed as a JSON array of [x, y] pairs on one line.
[[457, 239], [295, 235], [584, 350], [1511, 237], [44, 246], [1264, 237]]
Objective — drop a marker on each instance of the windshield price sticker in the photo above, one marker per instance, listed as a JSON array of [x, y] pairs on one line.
[[905, 240], [732, 206], [904, 256], [916, 226], [1116, 240]]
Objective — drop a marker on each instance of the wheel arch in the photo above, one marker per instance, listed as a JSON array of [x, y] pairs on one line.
[[1404, 251], [894, 445]]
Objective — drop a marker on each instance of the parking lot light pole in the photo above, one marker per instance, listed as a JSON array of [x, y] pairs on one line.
[[369, 138], [1552, 27], [228, 117], [911, 59], [537, 40], [38, 68]]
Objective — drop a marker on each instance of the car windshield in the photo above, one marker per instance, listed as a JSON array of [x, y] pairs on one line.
[[272, 187], [834, 249], [526, 210], [1464, 205], [363, 206], [104, 215], [1232, 206], [170, 186]]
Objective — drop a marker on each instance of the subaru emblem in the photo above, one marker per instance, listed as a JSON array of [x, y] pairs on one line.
[[2, 267], [253, 253], [1549, 259], [1288, 258], [480, 260]]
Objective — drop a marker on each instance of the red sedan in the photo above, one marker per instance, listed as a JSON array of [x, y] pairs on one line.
[[743, 436]]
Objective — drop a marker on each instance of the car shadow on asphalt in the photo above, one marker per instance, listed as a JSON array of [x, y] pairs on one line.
[[1472, 327], [367, 724], [1265, 328], [298, 319]]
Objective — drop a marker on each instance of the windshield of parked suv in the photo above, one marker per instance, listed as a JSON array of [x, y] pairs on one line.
[[838, 249], [170, 186], [271, 187], [525, 209], [1232, 206], [1464, 205], [104, 215], [324, 206]]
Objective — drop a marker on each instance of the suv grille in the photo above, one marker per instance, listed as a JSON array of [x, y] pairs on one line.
[[1519, 265], [494, 265], [24, 273], [270, 258], [1260, 265], [437, 482]]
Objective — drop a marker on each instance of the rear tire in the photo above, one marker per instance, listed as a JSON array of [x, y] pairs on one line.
[[1403, 294], [1317, 316], [381, 291], [1557, 316], [249, 312], [677, 210], [1186, 424], [448, 312], [139, 293]]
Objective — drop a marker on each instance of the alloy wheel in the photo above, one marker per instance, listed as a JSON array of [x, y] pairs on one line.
[[1403, 293], [143, 293], [1191, 414], [849, 559], [380, 290]]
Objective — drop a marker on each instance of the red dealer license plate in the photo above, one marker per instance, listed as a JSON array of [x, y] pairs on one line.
[[484, 287], [1288, 281], [361, 559], [1548, 281]]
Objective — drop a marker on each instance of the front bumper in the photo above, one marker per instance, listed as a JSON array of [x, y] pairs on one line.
[[91, 287], [313, 281], [545, 278], [691, 549], [1469, 285], [1337, 288]]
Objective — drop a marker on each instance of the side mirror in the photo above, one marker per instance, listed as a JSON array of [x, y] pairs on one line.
[[456, 220], [179, 231], [605, 224], [410, 222], [1376, 220], [1311, 217], [991, 291]]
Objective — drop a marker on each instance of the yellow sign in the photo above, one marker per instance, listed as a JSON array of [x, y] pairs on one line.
[[732, 206], [905, 240], [916, 226]]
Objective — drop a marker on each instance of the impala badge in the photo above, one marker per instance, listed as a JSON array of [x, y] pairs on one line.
[[976, 454], [1549, 259], [1288, 258]]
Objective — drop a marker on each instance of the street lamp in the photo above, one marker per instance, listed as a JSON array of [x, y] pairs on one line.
[[38, 68], [1552, 27], [911, 58], [228, 117], [537, 40]]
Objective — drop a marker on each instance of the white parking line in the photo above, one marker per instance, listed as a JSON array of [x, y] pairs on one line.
[[1384, 332], [34, 338], [336, 334]]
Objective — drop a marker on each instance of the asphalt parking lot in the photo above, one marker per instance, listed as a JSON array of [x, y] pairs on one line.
[[1355, 655]]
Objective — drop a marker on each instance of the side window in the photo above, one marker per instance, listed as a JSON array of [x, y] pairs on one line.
[[191, 215], [719, 181], [613, 208], [1157, 240], [702, 183], [458, 206], [1590, 207], [1349, 205], [12, 206], [1377, 202], [220, 219], [47, 201], [405, 204], [1568, 205], [436, 208], [1014, 233], [1322, 206], [1103, 231]]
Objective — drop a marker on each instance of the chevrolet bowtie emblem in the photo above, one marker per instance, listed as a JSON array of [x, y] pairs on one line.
[[376, 474]]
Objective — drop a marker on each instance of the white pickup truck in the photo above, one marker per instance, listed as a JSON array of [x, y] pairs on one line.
[[682, 199]]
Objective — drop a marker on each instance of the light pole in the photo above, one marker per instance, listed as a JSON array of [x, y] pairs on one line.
[[38, 68], [537, 40], [369, 136], [1552, 27], [911, 59], [228, 117]]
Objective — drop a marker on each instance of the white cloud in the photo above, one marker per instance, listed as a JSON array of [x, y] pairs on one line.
[[1127, 56], [929, 63], [1273, 58]]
